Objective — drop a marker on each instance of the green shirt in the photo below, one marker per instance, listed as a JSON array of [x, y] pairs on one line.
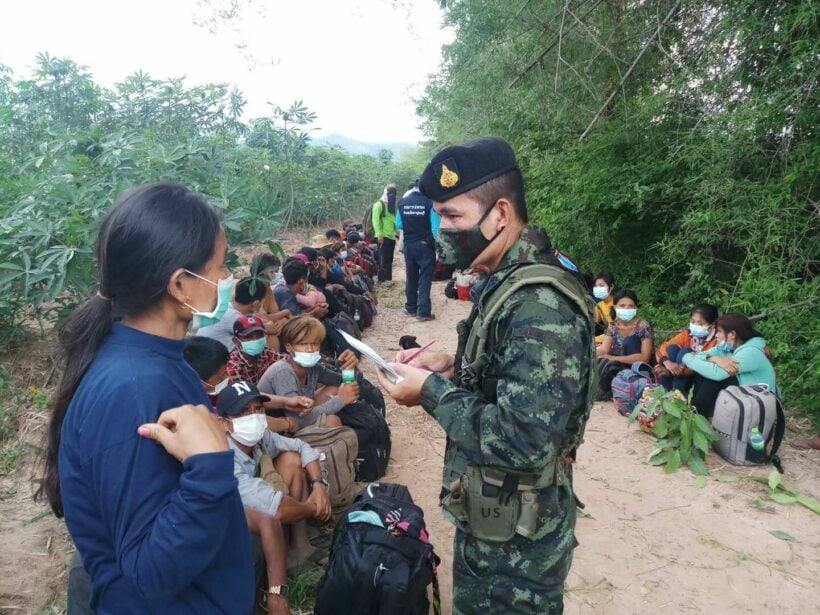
[[383, 225]]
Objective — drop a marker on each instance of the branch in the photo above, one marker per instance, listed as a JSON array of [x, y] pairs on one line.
[[549, 47], [560, 40], [646, 46]]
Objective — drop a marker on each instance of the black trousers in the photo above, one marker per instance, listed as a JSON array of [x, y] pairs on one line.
[[386, 250], [706, 393]]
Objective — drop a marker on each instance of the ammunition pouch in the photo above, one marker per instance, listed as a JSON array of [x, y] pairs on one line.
[[495, 504]]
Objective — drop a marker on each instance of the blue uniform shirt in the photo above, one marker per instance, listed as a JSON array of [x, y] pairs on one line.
[[156, 535]]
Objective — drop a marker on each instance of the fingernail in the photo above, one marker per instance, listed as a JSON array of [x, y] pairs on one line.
[[144, 431]]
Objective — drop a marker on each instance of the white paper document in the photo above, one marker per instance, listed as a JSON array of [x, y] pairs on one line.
[[374, 356]]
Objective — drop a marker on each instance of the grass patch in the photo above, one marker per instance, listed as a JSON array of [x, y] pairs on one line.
[[302, 589]]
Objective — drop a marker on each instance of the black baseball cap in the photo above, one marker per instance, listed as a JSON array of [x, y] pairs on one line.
[[235, 397]]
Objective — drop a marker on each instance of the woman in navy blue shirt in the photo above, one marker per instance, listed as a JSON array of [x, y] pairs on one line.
[[159, 524]]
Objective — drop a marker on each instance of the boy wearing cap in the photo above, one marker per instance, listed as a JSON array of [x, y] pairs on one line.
[[515, 399], [241, 413], [250, 356]]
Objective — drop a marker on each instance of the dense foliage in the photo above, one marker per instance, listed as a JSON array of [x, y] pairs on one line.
[[672, 142], [70, 146]]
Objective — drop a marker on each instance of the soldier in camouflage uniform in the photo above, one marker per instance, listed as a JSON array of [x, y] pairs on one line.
[[514, 400]]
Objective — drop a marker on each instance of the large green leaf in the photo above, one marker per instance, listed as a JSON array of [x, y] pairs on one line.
[[697, 465], [673, 464], [700, 441]]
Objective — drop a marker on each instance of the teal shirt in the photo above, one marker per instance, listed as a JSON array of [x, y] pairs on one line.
[[754, 365]]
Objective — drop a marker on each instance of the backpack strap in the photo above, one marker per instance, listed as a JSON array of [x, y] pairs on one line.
[[779, 431]]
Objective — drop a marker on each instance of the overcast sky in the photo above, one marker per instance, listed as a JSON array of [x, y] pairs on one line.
[[356, 63]]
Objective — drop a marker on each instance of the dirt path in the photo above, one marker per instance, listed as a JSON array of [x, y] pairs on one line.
[[652, 542]]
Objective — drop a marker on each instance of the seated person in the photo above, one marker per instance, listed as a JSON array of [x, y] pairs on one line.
[[242, 416], [295, 274], [302, 374], [699, 336], [603, 289], [739, 357], [333, 236], [267, 266], [627, 339], [250, 357], [248, 295], [209, 359]]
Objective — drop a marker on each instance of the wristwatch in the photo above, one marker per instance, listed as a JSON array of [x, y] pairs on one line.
[[279, 590], [321, 481]]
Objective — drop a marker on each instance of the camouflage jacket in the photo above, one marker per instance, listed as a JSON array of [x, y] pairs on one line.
[[537, 376]]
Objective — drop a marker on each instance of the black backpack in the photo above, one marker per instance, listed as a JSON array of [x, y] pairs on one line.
[[374, 438], [381, 565]]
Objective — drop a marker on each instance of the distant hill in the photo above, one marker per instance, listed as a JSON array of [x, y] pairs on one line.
[[352, 146]]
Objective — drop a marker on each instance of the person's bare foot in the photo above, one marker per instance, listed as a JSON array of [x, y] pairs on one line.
[[812, 443]]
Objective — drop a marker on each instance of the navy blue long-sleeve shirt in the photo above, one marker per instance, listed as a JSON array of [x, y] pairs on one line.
[[156, 535]]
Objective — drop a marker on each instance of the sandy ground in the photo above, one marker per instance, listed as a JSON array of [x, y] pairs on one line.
[[651, 543]]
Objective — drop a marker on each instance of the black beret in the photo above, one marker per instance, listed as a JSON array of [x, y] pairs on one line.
[[459, 168]]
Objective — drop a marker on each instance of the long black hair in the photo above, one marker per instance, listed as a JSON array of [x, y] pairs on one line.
[[150, 232]]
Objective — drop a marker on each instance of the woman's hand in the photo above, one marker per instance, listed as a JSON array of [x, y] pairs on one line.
[[186, 431], [673, 368], [348, 360], [349, 392], [730, 366]]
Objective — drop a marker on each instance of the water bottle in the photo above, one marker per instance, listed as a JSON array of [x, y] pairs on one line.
[[356, 316], [756, 440], [348, 375]]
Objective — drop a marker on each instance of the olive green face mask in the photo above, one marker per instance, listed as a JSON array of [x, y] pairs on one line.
[[460, 248]]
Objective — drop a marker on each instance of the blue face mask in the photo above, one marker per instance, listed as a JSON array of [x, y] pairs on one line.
[[600, 292], [224, 294], [253, 348], [625, 315], [726, 347], [698, 330]]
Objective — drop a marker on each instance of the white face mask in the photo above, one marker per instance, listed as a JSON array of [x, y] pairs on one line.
[[217, 388], [248, 430], [307, 359], [600, 292], [343, 254]]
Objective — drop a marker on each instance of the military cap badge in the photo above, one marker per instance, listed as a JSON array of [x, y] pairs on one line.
[[448, 177]]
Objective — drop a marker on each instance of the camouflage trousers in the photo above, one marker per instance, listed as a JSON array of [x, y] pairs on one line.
[[521, 575]]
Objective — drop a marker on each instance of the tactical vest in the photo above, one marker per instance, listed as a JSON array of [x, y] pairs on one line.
[[472, 361]]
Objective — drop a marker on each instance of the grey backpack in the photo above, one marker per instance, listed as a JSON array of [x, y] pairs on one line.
[[737, 410], [338, 448]]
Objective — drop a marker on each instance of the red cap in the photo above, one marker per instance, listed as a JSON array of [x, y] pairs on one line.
[[247, 324], [302, 257]]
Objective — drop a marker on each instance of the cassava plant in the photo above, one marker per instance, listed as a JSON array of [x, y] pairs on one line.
[[684, 436]]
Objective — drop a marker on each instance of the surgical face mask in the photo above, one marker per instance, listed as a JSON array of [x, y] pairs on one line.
[[216, 389], [698, 330], [253, 348], [307, 359], [626, 315], [224, 295], [600, 292], [276, 280], [726, 347], [343, 254], [248, 430], [460, 248]]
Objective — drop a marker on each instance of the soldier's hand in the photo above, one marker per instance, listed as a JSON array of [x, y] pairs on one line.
[[408, 391], [439, 362]]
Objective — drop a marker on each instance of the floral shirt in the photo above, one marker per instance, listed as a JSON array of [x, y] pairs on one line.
[[250, 369], [643, 331]]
